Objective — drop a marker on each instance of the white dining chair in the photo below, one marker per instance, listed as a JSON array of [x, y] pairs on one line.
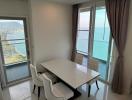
[[93, 64], [58, 91], [37, 81]]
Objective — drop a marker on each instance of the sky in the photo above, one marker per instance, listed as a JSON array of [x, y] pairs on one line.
[[84, 19], [18, 21]]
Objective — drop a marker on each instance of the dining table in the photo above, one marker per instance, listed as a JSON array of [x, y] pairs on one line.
[[71, 73]]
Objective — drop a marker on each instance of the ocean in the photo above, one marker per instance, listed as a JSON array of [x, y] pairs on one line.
[[19, 45], [100, 43]]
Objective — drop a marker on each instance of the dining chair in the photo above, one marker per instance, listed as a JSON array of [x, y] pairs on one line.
[[37, 81], [79, 58], [93, 64], [58, 91]]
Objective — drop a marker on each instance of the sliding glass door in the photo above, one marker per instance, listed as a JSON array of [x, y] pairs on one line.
[[94, 39], [83, 32], [101, 35], [83, 35], [13, 45], [101, 40]]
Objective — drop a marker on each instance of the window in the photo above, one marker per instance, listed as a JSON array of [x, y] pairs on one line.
[[83, 32], [14, 49], [93, 23], [13, 41], [101, 35]]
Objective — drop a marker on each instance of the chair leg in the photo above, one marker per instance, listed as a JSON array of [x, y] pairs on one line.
[[89, 89], [38, 92], [34, 88], [97, 85]]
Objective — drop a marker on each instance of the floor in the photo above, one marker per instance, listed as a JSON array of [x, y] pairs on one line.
[[17, 72], [23, 91]]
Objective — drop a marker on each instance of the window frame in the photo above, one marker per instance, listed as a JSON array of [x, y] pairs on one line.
[[3, 67], [26, 39], [78, 29], [92, 6]]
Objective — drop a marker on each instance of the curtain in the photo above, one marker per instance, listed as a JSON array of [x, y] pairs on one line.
[[118, 11], [75, 9]]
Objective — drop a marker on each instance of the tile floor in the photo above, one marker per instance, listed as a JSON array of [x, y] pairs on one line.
[[23, 91]]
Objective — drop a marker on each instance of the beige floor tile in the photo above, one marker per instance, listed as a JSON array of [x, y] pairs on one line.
[[23, 91]]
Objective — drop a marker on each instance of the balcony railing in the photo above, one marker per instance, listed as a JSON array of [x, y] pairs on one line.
[[14, 51], [100, 48]]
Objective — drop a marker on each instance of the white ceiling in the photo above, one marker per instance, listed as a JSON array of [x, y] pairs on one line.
[[62, 1], [71, 1], [79, 1]]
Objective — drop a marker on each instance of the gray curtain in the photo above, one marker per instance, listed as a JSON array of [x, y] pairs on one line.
[[74, 29], [118, 12]]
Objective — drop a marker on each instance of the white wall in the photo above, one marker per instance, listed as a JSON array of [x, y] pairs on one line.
[[51, 30], [13, 8]]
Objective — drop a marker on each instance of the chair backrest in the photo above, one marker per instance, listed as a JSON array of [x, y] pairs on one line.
[[79, 58], [34, 74], [93, 64], [48, 89]]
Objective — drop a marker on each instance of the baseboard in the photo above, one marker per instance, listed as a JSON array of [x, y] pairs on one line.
[[106, 82], [18, 82]]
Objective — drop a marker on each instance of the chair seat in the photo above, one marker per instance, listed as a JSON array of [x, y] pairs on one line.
[[60, 90]]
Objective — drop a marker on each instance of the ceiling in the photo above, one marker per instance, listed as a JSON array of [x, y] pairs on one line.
[[71, 1], [62, 1]]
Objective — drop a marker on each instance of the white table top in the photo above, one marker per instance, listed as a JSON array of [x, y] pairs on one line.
[[73, 74]]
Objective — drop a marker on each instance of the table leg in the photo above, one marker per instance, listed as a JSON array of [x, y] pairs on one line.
[[89, 89], [76, 94]]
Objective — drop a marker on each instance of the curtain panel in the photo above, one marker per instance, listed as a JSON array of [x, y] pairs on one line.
[[75, 10], [118, 12]]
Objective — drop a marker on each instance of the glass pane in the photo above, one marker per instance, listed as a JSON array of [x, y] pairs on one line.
[[82, 41], [101, 35], [17, 71], [14, 51], [84, 20], [11, 29], [83, 32], [14, 54]]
